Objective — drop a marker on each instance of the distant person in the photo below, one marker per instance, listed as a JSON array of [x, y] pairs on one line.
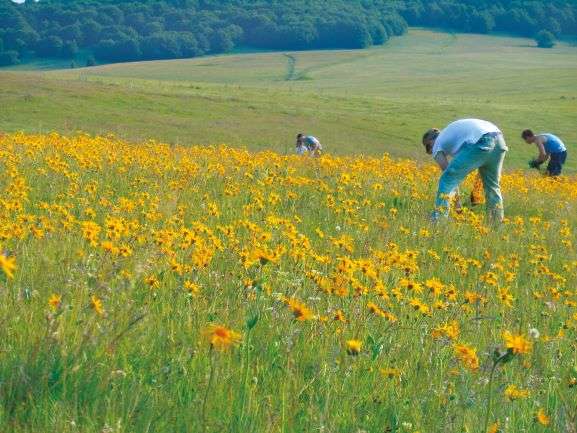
[[308, 144], [550, 147], [473, 144]]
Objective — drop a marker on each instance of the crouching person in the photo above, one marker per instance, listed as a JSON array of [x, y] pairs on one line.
[[550, 148], [307, 144], [473, 144]]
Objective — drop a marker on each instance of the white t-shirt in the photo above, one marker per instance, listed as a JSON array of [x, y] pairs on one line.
[[301, 150], [460, 132], [312, 143]]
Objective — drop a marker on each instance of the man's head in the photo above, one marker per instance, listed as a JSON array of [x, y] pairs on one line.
[[429, 139], [300, 138], [528, 136]]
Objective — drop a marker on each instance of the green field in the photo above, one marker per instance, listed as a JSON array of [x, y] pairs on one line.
[[367, 101], [148, 285]]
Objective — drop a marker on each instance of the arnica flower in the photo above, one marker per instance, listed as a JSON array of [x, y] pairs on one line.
[[340, 316], [514, 393], [542, 418], [96, 305], [391, 373], [467, 355], [192, 288], [8, 265], [449, 330], [152, 281], [518, 344], [221, 338], [300, 311], [375, 309], [55, 301], [506, 297], [354, 347], [494, 428], [435, 286]]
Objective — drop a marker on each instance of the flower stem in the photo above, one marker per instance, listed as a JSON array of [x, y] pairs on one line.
[[490, 393], [208, 387]]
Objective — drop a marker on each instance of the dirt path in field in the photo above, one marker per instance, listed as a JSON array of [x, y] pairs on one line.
[[291, 74]]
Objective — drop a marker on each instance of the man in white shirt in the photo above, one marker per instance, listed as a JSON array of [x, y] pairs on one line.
[[473, 144]]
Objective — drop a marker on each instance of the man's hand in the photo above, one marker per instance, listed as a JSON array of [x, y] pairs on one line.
[[457, 202], [535, 163]]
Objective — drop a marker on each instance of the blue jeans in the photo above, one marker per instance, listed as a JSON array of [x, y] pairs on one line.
[[556, 161], [487, 156]]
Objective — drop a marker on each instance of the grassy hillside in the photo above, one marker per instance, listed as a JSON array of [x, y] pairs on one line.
[[367, 101]]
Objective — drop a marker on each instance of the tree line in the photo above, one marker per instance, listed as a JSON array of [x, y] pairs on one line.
[[518, 17], [128, 30]]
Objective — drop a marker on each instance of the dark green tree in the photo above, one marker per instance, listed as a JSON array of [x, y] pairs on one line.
[[122, 30], [8, 58], [162, 45], [90, 61], [545, 39], [50, 46], [70, 49]]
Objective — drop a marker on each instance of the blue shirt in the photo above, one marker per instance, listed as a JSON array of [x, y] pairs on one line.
[[553, 144]]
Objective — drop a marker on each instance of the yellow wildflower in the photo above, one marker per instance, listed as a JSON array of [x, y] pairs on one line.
[[467, 355], [54, 301], [518, 344], [354, 347], [8, 265], [96, 305], [542, 418], [514, 393], [220, 337]]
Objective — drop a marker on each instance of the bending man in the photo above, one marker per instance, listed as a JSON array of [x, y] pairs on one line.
[[473, 144], [550, 148]]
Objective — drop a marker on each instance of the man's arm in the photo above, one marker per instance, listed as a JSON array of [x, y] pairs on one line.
[[542, 153], [441, 159]]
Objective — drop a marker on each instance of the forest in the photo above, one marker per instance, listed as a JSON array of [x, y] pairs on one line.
[[128, 30]]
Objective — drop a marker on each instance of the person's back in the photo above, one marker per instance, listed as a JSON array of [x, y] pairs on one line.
[[462, 131], [552, 143], [313, 143]]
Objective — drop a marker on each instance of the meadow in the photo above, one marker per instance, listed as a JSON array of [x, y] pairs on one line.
[[361, 101], [149, 287]]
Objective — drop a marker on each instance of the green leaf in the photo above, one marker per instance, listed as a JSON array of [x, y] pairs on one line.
[[375, 345], [251, 322]]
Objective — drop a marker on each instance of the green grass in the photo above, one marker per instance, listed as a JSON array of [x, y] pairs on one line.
[[368, 101]]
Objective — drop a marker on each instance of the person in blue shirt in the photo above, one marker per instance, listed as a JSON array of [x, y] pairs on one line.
[[550, 147]]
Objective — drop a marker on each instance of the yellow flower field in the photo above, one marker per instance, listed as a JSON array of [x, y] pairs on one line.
[[156, 288]]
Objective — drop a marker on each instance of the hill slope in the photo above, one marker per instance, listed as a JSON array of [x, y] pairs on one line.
[[367, 101]]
